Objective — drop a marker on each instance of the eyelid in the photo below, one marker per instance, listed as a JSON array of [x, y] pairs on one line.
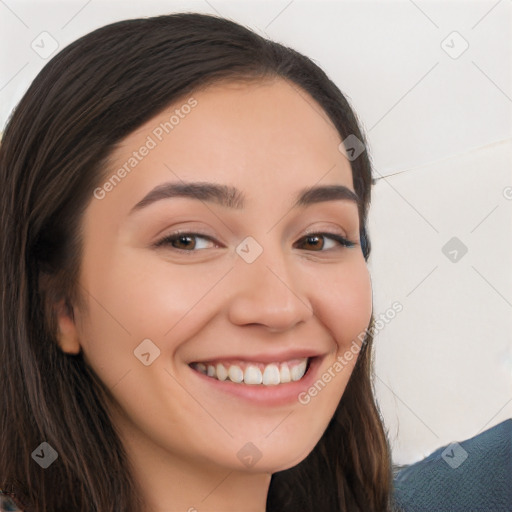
[[341, 239], [325, 231], [331, 231], [174, 234]]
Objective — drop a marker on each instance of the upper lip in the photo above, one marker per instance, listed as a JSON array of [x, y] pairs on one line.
[[277, 357]]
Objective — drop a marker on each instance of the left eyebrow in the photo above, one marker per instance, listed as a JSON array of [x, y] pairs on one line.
[[231, 197]]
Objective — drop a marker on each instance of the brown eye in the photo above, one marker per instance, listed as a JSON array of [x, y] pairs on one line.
[[316, 241], [185, 241]]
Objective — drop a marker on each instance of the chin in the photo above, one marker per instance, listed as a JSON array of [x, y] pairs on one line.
[[279, 460]]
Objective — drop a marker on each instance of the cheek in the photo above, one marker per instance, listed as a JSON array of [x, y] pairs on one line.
[[131, 300], [166, 302], [344, 303]]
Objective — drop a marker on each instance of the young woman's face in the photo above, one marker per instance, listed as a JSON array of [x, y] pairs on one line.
[[244, 289]]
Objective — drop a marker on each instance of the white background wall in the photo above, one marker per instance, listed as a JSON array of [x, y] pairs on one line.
[[439, 126]]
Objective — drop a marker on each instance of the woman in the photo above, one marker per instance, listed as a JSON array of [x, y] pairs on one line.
[[186, 307]]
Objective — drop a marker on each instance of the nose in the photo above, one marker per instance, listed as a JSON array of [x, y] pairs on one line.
[[268, 292]]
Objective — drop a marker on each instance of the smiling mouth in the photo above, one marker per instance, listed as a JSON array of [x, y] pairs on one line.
[[254, 374]]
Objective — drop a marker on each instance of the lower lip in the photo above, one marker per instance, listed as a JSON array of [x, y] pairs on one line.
[[280, 394]]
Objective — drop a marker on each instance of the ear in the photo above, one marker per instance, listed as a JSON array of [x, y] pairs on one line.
[[67, 333]]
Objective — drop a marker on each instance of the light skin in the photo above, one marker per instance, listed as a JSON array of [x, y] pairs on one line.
[[181, 435]]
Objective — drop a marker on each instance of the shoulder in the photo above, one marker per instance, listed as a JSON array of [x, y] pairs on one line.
[[7, 503], [471, 475]]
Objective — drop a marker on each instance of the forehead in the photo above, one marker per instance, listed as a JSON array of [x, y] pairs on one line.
[[264, 137]]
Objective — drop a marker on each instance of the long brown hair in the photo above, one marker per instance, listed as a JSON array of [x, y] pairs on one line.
[[87, 98]]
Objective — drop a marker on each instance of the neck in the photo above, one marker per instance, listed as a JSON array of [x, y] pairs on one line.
[[173, 483], [190, 490]]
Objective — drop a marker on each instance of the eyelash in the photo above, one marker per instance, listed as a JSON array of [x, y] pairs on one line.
[[169, 239]]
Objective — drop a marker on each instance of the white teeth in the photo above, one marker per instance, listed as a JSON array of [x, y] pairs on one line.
[[222, 373], [297, 372], [252, 375], [284, 374], [272, 375], [235, 373]]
